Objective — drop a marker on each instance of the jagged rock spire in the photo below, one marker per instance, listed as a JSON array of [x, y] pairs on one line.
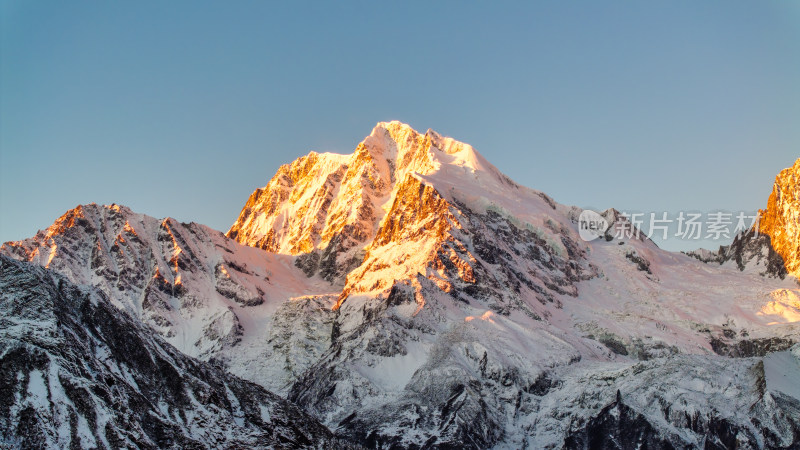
[[781, 219]]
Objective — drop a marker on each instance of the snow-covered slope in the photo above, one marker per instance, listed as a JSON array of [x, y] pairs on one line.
[[75, 372]]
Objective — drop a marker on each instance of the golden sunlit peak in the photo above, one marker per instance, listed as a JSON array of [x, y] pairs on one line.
[[781, 219]]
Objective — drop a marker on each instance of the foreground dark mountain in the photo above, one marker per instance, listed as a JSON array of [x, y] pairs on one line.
[[77, 372], [409, 295]]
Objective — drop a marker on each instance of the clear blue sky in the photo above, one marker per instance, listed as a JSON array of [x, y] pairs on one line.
[[182, 109]]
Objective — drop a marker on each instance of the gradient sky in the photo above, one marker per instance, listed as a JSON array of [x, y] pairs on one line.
[[182, 109]]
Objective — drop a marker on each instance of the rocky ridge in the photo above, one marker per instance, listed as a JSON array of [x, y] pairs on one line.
[[77, 372], [781, 219], [772, 245], [205, 294]]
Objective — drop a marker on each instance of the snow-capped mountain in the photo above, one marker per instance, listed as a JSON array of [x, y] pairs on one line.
[[411, 295], [75, 372], [472, 289], [204, 293]]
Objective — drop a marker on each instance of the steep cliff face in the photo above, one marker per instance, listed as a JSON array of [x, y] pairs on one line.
[[75, 372], [781, 219]]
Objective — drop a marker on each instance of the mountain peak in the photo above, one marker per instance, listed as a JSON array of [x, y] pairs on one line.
[[402, 134], [393, 126], [781, 220], [330, 207]]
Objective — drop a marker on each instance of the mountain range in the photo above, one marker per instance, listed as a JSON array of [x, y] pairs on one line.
[[408, 295]]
